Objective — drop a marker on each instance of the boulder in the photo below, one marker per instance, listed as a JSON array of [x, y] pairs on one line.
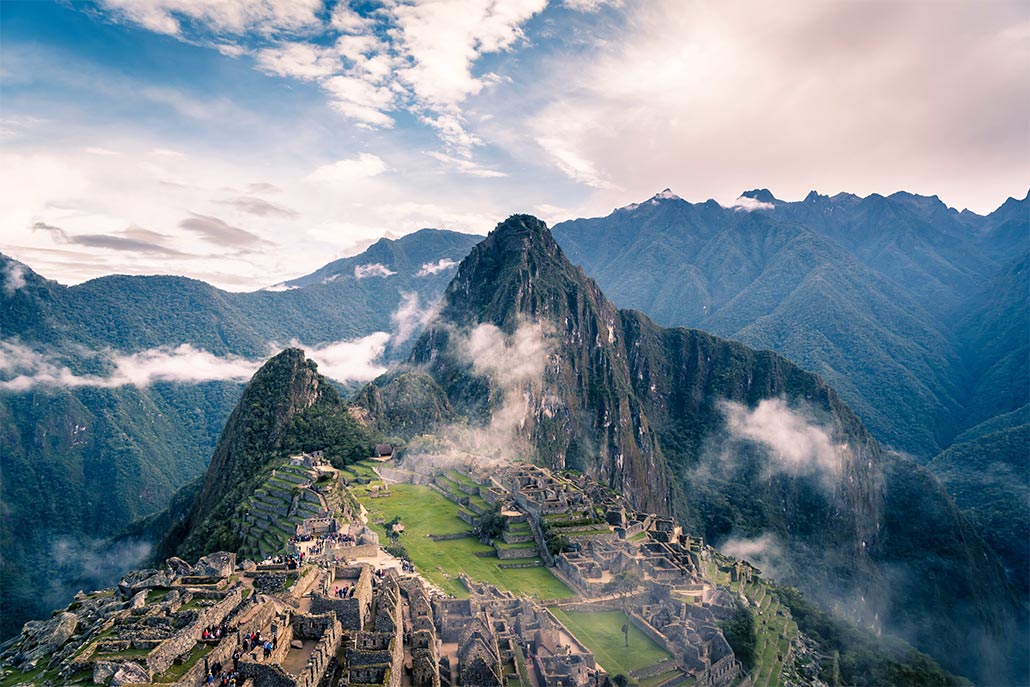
[[139, 600], [297, 644], [103, 671], [249, 565], [130, 674], [52, 634], [179, 566], [219, 564]]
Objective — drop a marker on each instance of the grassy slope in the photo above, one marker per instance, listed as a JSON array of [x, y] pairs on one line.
[[602, 634], [423, 512]]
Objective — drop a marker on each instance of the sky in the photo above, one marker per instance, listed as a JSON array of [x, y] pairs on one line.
[[245, 142]]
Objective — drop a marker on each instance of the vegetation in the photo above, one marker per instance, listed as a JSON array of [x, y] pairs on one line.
[[602, 634], [865, 660], [426, 512], [740, 632]]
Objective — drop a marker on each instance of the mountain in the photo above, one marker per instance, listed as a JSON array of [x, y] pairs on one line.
[[683, 422], [346, 299], [865, 291], [987, 473], [85, 456], [286, 407]]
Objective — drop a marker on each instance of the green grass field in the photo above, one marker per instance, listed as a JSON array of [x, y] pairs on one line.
[[423, 512], [602, 634]]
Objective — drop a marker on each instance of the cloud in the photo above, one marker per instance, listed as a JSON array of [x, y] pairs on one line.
[[298, 60], [217, 231], [96, 150], [83, 563], [375, 269], [508, 362], [259, 207], [347, 361], [514, 366], [440, 265], [25, 368], [590, 5], [794, 444], [263, 187], [218, 16], [14, 277], [574, 164], [749, 204], [409, 317], [765, 552], [467, 166], [131, 239], [417, 57], [343, 172]]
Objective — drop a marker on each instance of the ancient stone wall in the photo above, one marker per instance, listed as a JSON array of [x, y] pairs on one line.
[[161, 658], [507, 554]]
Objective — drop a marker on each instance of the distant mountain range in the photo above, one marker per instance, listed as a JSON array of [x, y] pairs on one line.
[[916, 314]]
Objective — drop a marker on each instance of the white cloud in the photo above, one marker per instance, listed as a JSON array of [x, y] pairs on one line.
[[589, 5], [510, 363], [14, 277], [443, 39], [410, 317], [350, 361], [96, 150], [765, 552], [574, 164], [344, 172], [794, 444], [229, 16], [298, 60], [440, 265], [749, 204], [26, 368], [344, 18], [466, 166], [375, 269], [721, 97], [23, 368]]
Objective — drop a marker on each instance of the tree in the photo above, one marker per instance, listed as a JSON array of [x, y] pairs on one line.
[[621, 680], [491, 523], [623, 584]]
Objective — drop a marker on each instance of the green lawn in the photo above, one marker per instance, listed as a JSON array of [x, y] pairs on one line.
[[602, 634], [423, 512]]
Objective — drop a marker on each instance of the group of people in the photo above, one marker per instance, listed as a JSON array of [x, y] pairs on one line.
[[222, 677], [343, 593], [291, 561], [215, 631], [252, 640]]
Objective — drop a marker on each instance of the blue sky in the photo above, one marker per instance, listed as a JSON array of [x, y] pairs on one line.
[[249, 141]]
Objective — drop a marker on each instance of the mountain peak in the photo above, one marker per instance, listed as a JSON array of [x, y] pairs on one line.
[[762, 195], [518, 269]]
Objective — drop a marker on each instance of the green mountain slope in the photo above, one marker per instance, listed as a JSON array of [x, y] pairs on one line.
[[286, 407], [882, 296], [80, 464]]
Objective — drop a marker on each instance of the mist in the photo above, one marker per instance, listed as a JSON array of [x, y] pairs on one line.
[[23, 368], [793, 442], [514, 367]]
